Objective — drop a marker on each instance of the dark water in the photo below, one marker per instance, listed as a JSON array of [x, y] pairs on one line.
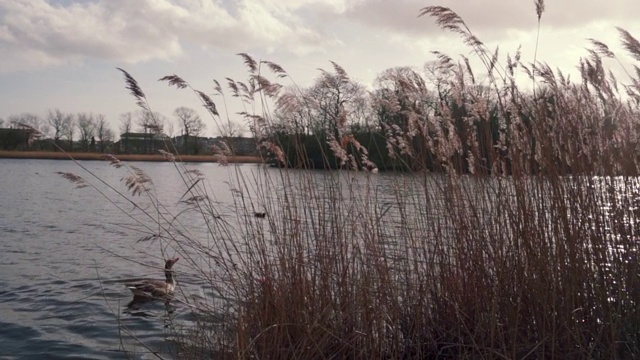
[[65, 253]]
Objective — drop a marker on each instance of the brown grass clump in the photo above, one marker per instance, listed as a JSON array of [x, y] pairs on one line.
[[511, 234]]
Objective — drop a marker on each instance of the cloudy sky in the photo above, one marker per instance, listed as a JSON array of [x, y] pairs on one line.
[[63, 53]]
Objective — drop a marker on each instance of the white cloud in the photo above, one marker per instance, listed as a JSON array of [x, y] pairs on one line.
[[37, 32], [40, 32], [494, 15]]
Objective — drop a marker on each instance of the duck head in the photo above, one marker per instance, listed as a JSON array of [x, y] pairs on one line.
[[169, 263]]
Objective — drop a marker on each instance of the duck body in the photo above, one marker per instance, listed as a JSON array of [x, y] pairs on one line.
[[147, 290], [152, 288]]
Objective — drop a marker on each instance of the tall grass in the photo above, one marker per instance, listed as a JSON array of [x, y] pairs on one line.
[[517, 239]]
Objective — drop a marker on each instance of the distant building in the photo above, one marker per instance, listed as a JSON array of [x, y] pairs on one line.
[[190, 145], [241, 146], [142, 143], [205, 145]]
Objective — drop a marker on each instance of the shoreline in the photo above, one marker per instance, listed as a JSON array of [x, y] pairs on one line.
[[51, 155]]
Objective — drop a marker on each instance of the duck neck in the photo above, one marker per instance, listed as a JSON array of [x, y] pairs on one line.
[[169, 276]]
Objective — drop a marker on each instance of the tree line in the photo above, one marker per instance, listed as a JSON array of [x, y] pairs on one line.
[[444, 118], [82, 131], [92, 132]]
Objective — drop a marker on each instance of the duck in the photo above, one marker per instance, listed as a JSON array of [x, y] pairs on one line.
[[260, 215], [147, 290]]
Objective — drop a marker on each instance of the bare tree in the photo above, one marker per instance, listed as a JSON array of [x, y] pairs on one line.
[[87, 127], [126, 123], [231, 129], [170, 128], [34, 125], [31, 120], [191, 126], [69, 130], [143, 121], [292, 115], [151, 122], [103, 132], [55, 118], [108, 136], [60, 123], [1, 122], [334, 101]]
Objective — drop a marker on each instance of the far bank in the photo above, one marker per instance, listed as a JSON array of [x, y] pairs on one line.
[[47, 155]]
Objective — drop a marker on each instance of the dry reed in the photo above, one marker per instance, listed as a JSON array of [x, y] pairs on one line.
[[514, 236]]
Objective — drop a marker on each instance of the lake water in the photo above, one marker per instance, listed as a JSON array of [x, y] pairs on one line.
[[65, 252], [64, 255]]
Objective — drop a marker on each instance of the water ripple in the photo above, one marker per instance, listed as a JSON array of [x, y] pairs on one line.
[[59, 244]]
